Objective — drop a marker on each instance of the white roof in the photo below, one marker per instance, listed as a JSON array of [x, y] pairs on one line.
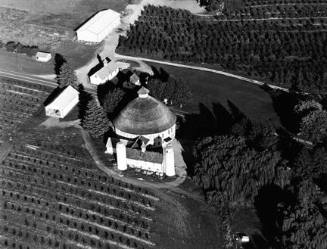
[[64, 98], [43, 54], [109, 68], [100, 21]]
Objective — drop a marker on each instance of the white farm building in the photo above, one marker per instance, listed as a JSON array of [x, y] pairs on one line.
[[43, 56], [107, 72], [144, 134], [63, 104], [99, 26]]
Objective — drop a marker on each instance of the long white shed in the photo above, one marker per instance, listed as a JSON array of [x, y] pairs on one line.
[[63, 104], [99, 26]]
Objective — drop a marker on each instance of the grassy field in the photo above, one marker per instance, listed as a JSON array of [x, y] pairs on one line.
[[45, 22], [209, 88], [185, 223]]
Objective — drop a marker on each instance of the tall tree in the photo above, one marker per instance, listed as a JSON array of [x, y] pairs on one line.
[[314, 126], [67, 76], [304, 225], [95, 119], [112, 99], [231, 172]]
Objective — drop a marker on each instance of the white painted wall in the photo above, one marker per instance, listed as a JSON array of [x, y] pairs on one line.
[[150, 166], [121, 156], [165, 134], [96, 80]]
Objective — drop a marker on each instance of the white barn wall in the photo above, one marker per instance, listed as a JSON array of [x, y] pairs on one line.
[[165, 134], [150, 166]]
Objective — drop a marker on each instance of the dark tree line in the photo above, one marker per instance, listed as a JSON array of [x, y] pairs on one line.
[[288, 53], [251, 167]]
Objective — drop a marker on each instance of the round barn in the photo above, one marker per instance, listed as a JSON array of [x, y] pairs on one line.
[[145, 130]]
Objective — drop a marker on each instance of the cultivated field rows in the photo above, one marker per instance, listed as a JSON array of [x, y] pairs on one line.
[[19, 102], [68, 204]]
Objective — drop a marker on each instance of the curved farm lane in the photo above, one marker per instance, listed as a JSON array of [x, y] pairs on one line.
[[256, 82]]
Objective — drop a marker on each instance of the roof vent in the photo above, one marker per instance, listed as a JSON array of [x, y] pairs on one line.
[[143, 92]]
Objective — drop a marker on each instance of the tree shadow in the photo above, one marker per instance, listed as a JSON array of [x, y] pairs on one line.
[[103, 90], [58, 61], [195, 126], [267, 206], [84, 98], [224, 119], [284, 103]]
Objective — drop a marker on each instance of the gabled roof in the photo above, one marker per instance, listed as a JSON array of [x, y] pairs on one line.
[[64, 98], [109, 68], [100, 21], [134, 78]]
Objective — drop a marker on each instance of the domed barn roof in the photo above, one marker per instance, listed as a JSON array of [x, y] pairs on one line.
[[144, 115]]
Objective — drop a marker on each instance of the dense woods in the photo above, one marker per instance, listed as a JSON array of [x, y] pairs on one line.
[[283, 180], [291, 53]]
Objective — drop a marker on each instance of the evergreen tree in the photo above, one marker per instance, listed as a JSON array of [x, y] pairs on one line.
[[95, 120], [304, 225], [112, 99], [231, 172], [66, 76]]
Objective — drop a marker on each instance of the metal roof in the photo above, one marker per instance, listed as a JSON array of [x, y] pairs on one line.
[[100, 21], [64, 98]]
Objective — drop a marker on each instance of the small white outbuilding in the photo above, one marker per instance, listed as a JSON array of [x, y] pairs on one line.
[[43, 56], [99, 26], [63, 103], [107, 72]]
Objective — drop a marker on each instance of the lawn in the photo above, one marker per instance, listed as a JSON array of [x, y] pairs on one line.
[[210, 88], [185, 223]]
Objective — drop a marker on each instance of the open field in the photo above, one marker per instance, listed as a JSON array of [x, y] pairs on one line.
[[209, 88], [75, 53], [45, 23]]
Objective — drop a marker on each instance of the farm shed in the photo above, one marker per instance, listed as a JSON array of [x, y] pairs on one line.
[[107, 72], [63, 104], [99, 26], [43, 56]]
